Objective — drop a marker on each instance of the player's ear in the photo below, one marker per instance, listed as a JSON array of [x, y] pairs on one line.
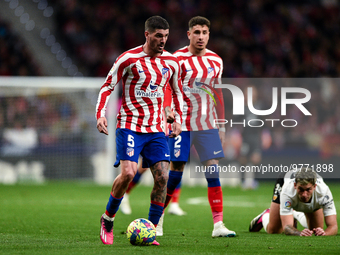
[[188, 34], [146, 33]]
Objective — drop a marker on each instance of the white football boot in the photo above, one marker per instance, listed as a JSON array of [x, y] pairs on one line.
[[221, 231], [175, 209], [159, 228], [125, 205]]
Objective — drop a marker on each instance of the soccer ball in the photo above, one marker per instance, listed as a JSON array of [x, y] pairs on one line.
[[141, 232]]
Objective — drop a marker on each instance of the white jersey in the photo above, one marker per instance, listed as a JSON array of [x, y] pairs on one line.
[[321, 198]]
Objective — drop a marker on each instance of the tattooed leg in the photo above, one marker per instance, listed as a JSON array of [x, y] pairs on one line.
[[160, 174]]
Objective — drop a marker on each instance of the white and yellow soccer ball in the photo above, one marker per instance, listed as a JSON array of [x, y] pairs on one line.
[[141, 232]]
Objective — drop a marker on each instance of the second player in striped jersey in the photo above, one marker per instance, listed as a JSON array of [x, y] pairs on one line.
[[199, 68], [198, 74]]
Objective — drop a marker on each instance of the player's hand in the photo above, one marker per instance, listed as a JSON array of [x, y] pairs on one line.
[[176, 130], [319, 232], [306, 232], [102, 125], [170, 115]]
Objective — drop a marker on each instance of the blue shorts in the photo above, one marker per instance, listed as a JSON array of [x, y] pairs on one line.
[[153, 147], [207, 144]]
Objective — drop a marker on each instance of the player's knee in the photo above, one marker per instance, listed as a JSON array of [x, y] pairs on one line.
[[177, 166], [128, 175], [162, 179]]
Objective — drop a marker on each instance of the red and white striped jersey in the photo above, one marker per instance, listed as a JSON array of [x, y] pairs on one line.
[[202, 102], [144, 79]]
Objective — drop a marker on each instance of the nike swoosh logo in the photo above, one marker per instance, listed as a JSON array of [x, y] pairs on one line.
[[141, 71], [216, 152], [167, 155], [188, 70]]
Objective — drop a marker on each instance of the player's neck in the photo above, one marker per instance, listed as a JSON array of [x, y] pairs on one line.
[[197, 52], [150, 52]]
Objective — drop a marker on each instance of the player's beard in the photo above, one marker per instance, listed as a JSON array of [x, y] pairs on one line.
[[156, 47], [160, 47]]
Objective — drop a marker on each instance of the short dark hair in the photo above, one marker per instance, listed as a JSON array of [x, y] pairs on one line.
[[199, 20], [305, 175], [156, 22]]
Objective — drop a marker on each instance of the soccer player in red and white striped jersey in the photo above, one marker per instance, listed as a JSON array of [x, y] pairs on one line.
[[202, 104], [144, 71], [198, 71]]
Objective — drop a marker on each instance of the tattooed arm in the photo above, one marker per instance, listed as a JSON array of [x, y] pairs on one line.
[[289, 229]]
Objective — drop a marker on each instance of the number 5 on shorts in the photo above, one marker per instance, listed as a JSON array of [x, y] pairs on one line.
[[131, 141]]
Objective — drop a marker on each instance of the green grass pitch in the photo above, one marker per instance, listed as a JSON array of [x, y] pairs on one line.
[[63, 218]]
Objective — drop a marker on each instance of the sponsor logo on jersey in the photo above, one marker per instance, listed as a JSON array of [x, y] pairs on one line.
[[130, 152], [141, 93], [206, 88], [152, 87], [196, 91], [177, 152], [274, 197], [288, 204], [150, 92], [186, 89], [278, 189], [199, 84], [325, 201]]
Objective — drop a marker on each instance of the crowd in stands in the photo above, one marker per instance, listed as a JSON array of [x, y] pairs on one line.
[[15, 58], [39, 120], [256, 38], [27, 122]]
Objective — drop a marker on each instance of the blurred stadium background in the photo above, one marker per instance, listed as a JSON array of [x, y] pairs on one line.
[[54, 56]]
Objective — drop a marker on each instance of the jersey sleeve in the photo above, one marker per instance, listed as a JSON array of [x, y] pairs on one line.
[[167, 96], [286, 204], [177, 92], [116, 73], [327, 203], [220, 104]]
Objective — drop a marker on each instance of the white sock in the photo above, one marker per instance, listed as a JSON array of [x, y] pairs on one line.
[[108, 218], [301, 217], [265, 221]]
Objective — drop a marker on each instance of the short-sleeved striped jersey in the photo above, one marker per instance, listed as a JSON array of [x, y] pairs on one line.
[[198, 74], [144, 79]]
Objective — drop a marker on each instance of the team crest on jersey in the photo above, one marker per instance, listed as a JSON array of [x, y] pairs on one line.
[[211, 72], [165, 73], [177, 152], [288, 204], [130, 152], [274, 197]]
